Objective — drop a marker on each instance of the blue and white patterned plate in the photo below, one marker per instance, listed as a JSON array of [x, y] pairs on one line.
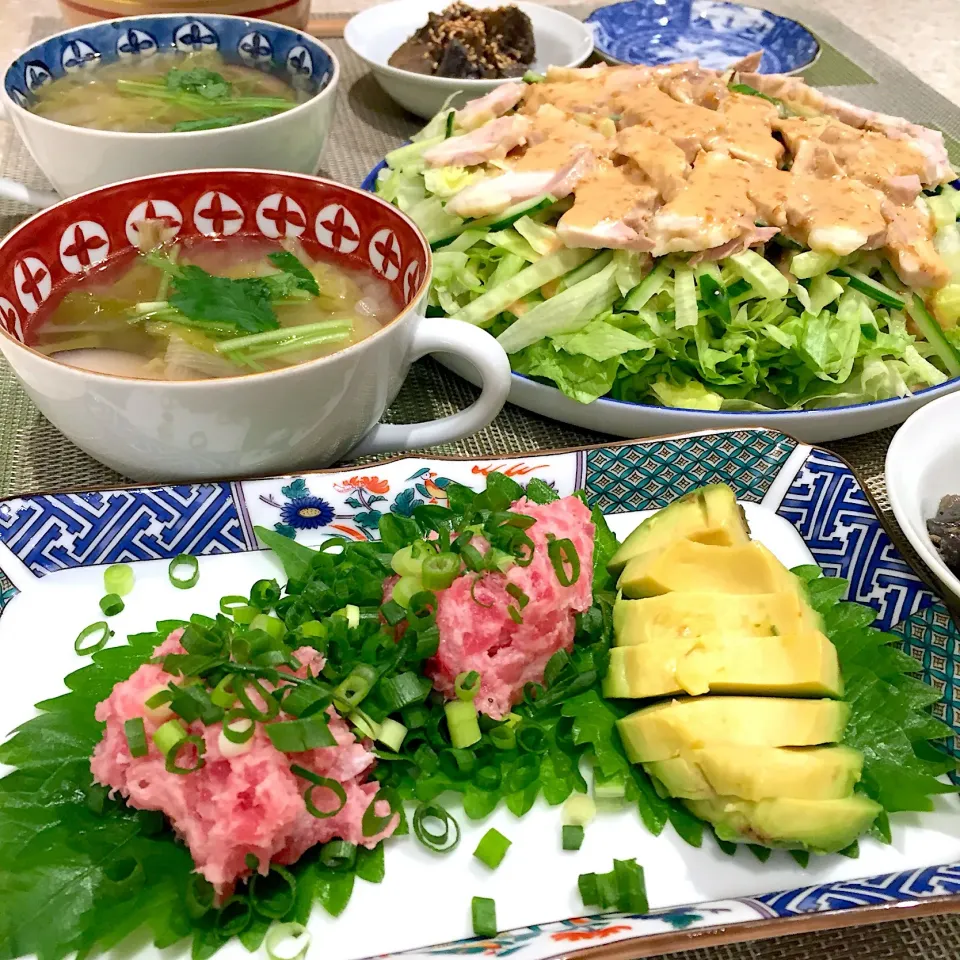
[[714, 32], [802, 501]]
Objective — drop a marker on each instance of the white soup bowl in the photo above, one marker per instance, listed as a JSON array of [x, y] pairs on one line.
[[75, 159], [280, 421]]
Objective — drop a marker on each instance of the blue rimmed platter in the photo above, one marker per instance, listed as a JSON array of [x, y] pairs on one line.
[[715, 32], [803, 502]]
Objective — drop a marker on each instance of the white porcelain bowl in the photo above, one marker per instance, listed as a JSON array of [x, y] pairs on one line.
[[374, 34], [75, 159], [923, 465]]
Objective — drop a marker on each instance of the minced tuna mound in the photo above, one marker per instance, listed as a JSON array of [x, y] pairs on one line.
[[234, 805], [477, 632]]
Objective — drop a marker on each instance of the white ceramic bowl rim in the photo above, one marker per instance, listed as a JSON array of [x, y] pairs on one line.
[[328, 90], [213, 382], [453, 82]]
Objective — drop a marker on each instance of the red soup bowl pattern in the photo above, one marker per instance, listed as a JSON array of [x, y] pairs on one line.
[[307, 415]]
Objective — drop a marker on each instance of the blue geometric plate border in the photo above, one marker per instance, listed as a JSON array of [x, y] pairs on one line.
[[812, 488]]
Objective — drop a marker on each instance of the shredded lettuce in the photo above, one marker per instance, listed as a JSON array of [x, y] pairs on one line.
[[738, 334]]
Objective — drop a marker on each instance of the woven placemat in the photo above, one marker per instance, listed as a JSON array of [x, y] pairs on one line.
[[34, 456]]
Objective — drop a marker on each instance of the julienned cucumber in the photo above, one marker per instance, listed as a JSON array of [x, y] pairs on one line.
[[500, 221], [931, 331], [876, 291]]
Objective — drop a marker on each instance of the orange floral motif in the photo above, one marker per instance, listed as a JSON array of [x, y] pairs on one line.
[[589, 934], [349, 531], [371, 484], [511, 470]]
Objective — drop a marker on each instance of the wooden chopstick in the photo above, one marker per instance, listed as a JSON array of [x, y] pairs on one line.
[[327, 28]]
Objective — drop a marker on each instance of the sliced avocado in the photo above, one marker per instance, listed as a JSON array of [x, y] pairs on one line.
[[686, 566], [761, 773], [709, 514], [822, 826], [685, 615], [798, 665], [667, 729]]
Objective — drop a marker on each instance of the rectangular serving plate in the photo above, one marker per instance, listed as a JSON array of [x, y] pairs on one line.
[[803, 502]]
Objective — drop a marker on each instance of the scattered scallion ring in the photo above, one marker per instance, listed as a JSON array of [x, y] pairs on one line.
[[111, 605], [231, 603], [372, 822], [199, 896], [275, 902], [422, 610], [439, 841], [338, 855], [264, 594], [270, 706], [524, 771], [288, 935], [484, 911], [100, 630], [503, 736], [234, 916], [531, 738], [222, 695], [244, 614], [171, 765], [181, 562], [238, 726], [492, 848], [316, 780], [562, 553], [467, 685], [118, 579], [357, 685], [440, 570], [488, 778], [136, 734]]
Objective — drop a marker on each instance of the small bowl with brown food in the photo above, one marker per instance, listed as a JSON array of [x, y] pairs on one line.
[[430, 53], [923, 484]]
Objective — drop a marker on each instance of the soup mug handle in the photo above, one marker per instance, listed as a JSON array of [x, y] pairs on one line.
[[479, 349]]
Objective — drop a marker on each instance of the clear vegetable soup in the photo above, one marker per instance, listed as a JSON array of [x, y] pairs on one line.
[[212, 308], [169, 92]]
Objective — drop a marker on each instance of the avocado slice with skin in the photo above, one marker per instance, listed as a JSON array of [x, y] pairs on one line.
[[761, 773], [667, 729], [708, 514], [674, 616], [796, 665], [821, 826], [686, 566]]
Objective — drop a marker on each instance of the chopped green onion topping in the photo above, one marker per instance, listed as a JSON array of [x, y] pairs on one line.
[[338, 855], [531, 738], [364, 723], [563, 554], [184, 571], [271, 626], [101, 634], [422, 610], [352, 612], [199, 896], [136, 734], [392, 613], [621, 889], [223, 695], [287, 941], [391, 734], [168, 735], [372, 822], [238, 727], [438, 840], [462, 723], [296, 736], [265, 594], [244, 614], [118, 579], [171, 764], [273, 895], [158, 699], [306, 699], [351, 692], [492, 848], [484, 917], [579, 809], [325, 783], [230, 603], [503, 736], [440, 570], [467, 685], [403, 690], [268, 706], [572, 836], [234, 917]]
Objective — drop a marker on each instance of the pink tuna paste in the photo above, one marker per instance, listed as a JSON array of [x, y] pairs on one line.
[[235, 805], [477, 632]]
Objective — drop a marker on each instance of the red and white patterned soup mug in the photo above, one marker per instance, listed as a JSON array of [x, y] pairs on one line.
[[301, 416]]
